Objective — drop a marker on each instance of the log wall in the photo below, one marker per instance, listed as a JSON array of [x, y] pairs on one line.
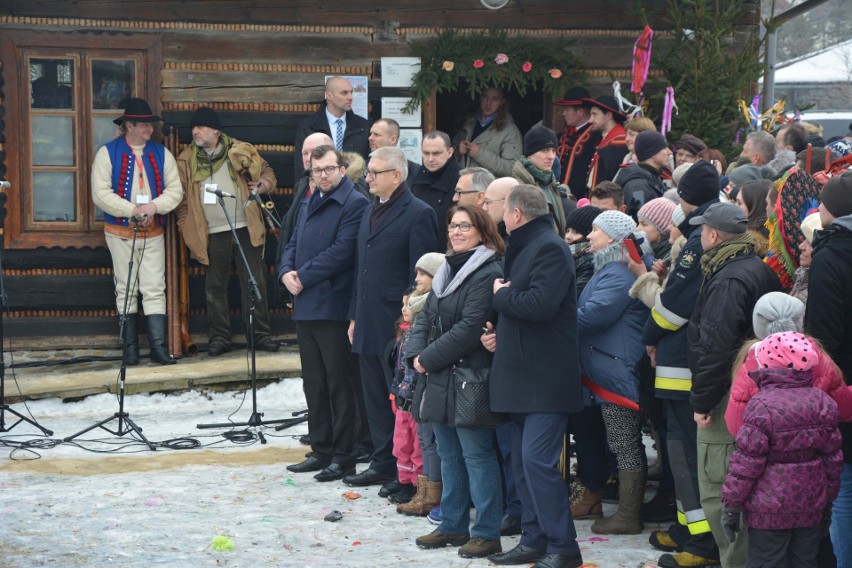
[[262, 66]]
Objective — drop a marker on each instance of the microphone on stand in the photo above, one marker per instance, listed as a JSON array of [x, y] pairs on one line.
[[220, 193], [138, 218], [252, 197]]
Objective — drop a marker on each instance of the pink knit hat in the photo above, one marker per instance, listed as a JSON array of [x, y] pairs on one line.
[[786, 350], [657, 212]]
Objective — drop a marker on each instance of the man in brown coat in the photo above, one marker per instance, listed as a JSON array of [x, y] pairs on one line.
[[208, 165]]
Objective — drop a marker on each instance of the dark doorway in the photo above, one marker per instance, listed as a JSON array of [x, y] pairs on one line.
[[452, 109]]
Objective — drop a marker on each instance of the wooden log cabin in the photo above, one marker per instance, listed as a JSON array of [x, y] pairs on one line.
[[262, 66]]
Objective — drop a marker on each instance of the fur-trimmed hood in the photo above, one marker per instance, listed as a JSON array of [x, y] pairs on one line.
[[357, 166]]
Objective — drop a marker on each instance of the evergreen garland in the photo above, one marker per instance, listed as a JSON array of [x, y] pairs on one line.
[[493, 58]]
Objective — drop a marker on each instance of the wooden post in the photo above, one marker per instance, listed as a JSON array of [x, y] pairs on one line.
[[430, 118]]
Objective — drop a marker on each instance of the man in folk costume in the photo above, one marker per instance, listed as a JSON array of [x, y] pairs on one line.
[[577, 142], [607, 119], [132, 176], [213, 160]]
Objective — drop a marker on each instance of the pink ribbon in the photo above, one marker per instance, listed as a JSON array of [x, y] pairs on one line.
[[669, 105]]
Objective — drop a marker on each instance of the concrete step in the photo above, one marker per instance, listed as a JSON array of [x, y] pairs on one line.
[[51, 377]]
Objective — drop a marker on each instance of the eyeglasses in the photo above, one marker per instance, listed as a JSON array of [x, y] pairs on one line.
[[463, 227], [465, 192], [373, 174], [329, 170], [490, 201]]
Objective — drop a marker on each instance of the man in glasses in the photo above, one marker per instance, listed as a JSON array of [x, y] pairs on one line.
[[317, 269], [436, 181], [206, 165], [470, 189], [395, 231], [495, 201]]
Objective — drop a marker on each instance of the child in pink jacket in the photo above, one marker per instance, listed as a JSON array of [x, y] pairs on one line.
[[774, 313]]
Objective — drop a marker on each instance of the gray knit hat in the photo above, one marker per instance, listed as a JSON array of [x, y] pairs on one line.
[[430, 263], [615, 224], [776, 312], [678, 216]]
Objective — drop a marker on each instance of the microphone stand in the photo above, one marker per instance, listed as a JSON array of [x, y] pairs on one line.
[[125, 424], [4, 408], [256, 418]]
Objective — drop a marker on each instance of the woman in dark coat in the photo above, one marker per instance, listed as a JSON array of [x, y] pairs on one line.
[[454, 315]]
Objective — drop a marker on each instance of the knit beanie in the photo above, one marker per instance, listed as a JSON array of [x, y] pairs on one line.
[[538, 138], [430, 263], [775, 312], [647, 143], [615, 224], [582, 218], [678, 172], [417, 301], [786, 350], [699, 184], [810, 224], [837, 195], [744, 174], [678, 216], [205, 116], [657, 212]]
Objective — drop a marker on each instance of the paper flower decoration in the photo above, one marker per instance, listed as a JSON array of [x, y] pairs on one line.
[[555, 73], [478, 64], [448, 65], [501, 59], [526, 67]]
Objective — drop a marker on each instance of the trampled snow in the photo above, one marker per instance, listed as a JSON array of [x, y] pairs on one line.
[[106, 499]]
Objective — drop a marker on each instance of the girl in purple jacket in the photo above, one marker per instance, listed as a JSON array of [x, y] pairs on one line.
[[785, 472]]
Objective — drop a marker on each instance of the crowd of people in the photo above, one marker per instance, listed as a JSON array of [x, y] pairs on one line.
[[584, 286]]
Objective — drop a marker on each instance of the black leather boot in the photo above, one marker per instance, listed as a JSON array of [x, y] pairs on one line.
[[157, 339], [131, 332]]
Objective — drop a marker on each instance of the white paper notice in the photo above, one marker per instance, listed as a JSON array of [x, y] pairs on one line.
[[392, 108], [399, 71], [409, 142]]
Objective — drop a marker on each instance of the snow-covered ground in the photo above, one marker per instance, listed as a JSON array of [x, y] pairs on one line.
[[107, 500]]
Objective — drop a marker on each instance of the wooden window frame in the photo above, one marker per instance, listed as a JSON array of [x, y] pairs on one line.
[[85, 232]]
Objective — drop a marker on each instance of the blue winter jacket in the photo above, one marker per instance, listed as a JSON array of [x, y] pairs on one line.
[[609, 325]]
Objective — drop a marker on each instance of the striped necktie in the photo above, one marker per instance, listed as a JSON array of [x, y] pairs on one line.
[[338, 141]]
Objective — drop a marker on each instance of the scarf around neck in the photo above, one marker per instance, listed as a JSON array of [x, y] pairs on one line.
[[446, 283], [541, 177], [203, 164], [712, 259]]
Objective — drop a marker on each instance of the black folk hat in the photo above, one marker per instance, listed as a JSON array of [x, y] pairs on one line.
[[607, 104], [137, 110], [573, 97]]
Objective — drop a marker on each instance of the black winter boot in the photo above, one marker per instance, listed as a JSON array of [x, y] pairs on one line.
[[157, 339], [131, 333]]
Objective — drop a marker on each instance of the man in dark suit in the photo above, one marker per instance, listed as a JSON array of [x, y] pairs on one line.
[[317, 268], [535, 376], [436, 181], [395, 231], [335, 118]]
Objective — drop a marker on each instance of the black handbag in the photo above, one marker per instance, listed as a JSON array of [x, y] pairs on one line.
[[473, 400]]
